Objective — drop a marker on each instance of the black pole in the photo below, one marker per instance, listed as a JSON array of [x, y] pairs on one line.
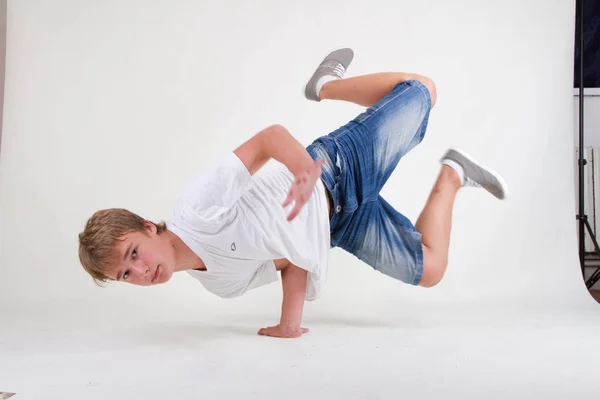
[[581, 149]]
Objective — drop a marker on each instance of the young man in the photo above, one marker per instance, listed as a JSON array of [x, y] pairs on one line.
[[237, 224]]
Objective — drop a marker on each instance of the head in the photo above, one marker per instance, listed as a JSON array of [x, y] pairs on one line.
[[120, 245]]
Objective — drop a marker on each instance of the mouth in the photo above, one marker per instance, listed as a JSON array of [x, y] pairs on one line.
[[156, 274]]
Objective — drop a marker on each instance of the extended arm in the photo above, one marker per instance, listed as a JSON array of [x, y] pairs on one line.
[[294, 287]]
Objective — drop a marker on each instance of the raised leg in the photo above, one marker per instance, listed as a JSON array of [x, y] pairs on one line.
[[434, 224], [435, 221], [367, 90], [328, 82]]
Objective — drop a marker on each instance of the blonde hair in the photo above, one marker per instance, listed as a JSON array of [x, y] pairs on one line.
[[97, 243]]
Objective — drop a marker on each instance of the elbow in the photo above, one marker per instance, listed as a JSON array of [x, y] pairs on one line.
[[272, 136], [269, 134]]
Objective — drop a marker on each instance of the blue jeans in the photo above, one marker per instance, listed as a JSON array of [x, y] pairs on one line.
[[359, 158]]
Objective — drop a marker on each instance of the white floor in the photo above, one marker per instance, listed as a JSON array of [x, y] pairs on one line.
[[63, 351]]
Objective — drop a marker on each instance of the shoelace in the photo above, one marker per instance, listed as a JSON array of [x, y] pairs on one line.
[[336, 68], [471, 182]]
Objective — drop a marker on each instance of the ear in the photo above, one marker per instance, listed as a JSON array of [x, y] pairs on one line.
[[150, 226]]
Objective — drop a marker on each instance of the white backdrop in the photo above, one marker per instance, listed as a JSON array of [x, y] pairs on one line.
[[117, 103]]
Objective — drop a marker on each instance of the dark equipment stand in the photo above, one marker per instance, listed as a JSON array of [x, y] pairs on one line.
[[582, 217]]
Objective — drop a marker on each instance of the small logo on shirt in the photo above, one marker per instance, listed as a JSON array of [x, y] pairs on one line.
[[233, 246]]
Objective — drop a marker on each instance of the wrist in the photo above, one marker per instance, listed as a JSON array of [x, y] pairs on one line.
[[294, 288], [289, 327]]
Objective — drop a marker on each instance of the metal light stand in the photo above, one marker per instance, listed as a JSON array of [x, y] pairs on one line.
[[582, 217]]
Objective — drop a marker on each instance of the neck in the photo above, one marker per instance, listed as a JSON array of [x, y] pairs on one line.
[[185, 258]]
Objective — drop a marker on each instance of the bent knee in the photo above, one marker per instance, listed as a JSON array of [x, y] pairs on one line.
[[430, 85], [433, 272]]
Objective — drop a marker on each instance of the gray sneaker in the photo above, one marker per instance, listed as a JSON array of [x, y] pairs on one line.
[[477, 175], [336, 63]]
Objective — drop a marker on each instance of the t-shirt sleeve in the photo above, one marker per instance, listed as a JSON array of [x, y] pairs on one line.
[[216, 189]]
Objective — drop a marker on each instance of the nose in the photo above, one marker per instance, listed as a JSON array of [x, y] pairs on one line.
[[140, 269]]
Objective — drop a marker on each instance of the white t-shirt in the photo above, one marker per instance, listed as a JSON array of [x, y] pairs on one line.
[[237, 225]]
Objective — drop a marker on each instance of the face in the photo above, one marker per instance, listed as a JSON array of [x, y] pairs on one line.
[[144, 260]]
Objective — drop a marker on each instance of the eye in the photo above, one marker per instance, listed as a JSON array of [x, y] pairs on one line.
[[126, 275], [134, 253]]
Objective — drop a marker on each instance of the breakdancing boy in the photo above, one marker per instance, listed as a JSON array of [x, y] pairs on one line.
[[237, 224]]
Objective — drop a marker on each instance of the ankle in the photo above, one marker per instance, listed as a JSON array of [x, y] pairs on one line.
[[327, 90], [450, 176]]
